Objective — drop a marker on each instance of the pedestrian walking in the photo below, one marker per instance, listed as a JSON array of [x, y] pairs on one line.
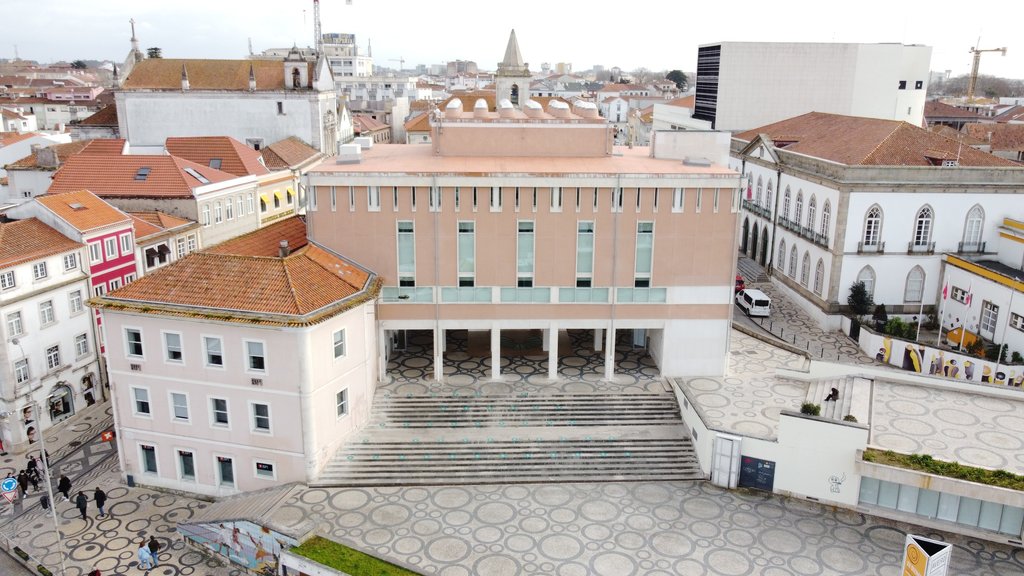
[[154, 550], [44, 501], [100, 498], [33, 466], [64, 486], [145, 557], [23, 483], [82, 501]]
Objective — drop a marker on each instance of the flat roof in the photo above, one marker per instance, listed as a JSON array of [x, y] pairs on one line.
[[421, 159]]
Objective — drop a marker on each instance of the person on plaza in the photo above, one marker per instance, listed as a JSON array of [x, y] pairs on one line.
[[34, 479], [64, 487], [22, 483], [154, 550], [100, 498], [145, 557], [44, 501], [33, 467], [82, 501]]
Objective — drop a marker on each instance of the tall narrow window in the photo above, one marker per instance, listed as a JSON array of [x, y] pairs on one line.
[[656, 195], [781, 264], [133, 342], [46, 316], [148, 458], [678, 199], [798, 213], [229, 214], [351, 198], [914, 290], [334, 198], [187, 465], [616, 199], [973, 228], [219, 411], [341, 403], [205, 217], [260, 417], [867, 276], [373, 198], [556, 199], [805, 269], [524, 254], [577, 200], [638, 196], [812, 208], [757, 195], [923, 226], [517, 199], [717, 190], [475, 199], [767, 199], [596, 199], [250, 204], [412, 194], [467, 253], [785, 203], [826, 220], [338, 339], [495, 198], [21, 374], [179, 407], [214, 351], [989, 319], [435, 199], [873, 226], [644, 254], [225, 471], [819, 276], [394, 198], [256, 361], [140, 404], [406, 254], [793, 255], [458, 198], [14, 324], [218, 213], [584, 254], [700, 197]]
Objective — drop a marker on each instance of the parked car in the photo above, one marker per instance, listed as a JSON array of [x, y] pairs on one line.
[[740, 285], [754, 302]]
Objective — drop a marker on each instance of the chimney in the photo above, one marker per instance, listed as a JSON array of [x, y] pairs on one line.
[[252, 79], [184, 78], [46, 157], [282, 250]]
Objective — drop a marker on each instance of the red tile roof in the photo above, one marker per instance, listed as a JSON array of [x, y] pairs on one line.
[[1011, 114], [365, 123], [65, 151], [121, 176], [82, 209], [106, 116], [421, 123], [309, 285], [235, 158], [11, 114], [1001, 137], [8, 138], [684, 101], [266, 241], [623, 88], [857, 141], [288, 153], [27, 240], [935, 109], [469, 99], [149, 224], [165, 74]]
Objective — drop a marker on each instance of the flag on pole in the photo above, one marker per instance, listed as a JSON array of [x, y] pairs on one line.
[[945, 290], [750, 188], [970, 294]]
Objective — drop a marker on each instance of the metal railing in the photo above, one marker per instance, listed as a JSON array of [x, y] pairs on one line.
[[878, 247], [970, 247], [915, 248]]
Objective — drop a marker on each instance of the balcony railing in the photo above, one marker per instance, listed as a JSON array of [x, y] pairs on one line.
[[878, 247], [467, 294], [970, 247], [926, 248], [640, 295], [754, 208], [410, 294], [526, 295]]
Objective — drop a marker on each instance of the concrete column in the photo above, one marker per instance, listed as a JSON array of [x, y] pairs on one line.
[[609, 355], [438, 354], [383, 352], [545, 340], [552, 335], [495, 353], [598, 333]]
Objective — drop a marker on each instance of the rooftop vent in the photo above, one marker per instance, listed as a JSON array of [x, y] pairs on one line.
[[533, 109], [349, 154], [143, 173], [696, 161], [77, 206]]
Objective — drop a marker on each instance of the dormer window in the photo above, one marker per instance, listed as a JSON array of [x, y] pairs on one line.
[[296, 78]]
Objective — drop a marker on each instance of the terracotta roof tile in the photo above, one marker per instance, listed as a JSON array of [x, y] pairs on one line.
[[11, 114], [149, 224], [421, 123], [684, 101], [1001, 137], [106, 116], [366, 123], [1011, 114], [65, 151], [143, 229], [82, 209], [29, 239], [8, 138], [121, 176], [165, 74], [936, 109], [265, 241], [950, 132], [114, 146], [469, 99], [867, 141], [235, 158], [288, 153]]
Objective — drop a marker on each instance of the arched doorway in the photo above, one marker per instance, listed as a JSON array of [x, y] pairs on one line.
[[743, 238], [60, 405], [763, 259], [753, 243]]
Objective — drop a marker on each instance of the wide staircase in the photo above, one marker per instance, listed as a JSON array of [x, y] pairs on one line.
[[854, 397], [504, 439]]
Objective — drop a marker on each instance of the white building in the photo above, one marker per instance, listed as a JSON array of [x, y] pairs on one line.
[[832, 200], [17, 120], [31, 176], [253, 101], [48, 347], [14, 147], [741, 85]]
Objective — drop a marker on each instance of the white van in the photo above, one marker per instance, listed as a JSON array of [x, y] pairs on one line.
[[754, 302]]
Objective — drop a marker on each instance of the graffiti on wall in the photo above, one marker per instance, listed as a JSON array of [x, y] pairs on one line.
[[915, 357], [244, 543]]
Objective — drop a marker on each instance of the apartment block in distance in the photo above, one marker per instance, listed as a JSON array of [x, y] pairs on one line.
[[742, 85]]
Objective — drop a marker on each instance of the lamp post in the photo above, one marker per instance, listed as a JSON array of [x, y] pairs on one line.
[[49, 483]]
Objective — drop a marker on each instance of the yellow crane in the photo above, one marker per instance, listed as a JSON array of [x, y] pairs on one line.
[[974, 68]]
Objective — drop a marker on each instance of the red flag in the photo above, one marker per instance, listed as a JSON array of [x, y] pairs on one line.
[[107, 436], [750, 189], [945, 290], [970, 294]]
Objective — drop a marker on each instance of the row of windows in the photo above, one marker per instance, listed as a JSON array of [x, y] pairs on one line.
[[185, 461], [40, 271], [525, 253], [22, 372], [923, 227], [47, 317], [523, 197], [913, 290], [219, 414], [811, 222], [240, 206], [101, 288], [108, 249], [213, 349], [805, 267]]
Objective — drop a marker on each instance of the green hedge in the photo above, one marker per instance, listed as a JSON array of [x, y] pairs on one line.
[[339, 557], [925, 463]]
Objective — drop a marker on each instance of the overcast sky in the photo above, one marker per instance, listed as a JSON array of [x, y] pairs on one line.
[[656, 34]]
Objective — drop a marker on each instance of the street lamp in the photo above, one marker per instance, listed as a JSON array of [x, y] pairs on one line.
[[49, 483], [1009, 316]]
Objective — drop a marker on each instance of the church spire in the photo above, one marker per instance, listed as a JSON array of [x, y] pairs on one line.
[[513, 59]]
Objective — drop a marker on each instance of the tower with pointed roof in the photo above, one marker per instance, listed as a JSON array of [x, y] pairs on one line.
[[134, 56], [512, 80]]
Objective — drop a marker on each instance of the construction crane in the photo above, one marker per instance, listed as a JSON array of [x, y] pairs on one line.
[[319, 37], [974, 68], [401, 62]]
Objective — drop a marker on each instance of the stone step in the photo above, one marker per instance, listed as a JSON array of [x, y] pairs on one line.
[[505, 477]]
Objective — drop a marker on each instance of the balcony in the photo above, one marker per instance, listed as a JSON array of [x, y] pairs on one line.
[[970, 247], [583, 295], [640, 295], [925, 248], [406, 294], [467, 294], [526, 295], [753, 208], [876, 248]]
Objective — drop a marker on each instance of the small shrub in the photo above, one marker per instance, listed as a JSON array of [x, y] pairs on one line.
[[880, 316], [849, 418], [995, 352], [898, 328], [810, 408], [21, 553], [43, 570], [1016, 358], [975, 348], [933, 322], [859, 300]]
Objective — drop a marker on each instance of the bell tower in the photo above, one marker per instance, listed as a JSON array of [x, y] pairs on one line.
[[512, 80]]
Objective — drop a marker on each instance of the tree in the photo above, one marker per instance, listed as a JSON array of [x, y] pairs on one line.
[[154, 52], [679, 77], [79, 65], [880, 316], [859, 300], [642, 75]]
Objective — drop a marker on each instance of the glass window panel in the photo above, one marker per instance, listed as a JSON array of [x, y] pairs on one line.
[[908, 498], [928, 503], [1012, 520], [644, 247], [567, 295], [525, 257], [970, 511], [467, 255], [888, 494], [406, 249], [990, 515], [585, 248], [869, 491], [949, 504]]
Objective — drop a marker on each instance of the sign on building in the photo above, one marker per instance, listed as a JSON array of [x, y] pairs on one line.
[[925, 557]]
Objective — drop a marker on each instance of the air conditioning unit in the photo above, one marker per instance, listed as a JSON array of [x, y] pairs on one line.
[[257, 381], [135, 367]]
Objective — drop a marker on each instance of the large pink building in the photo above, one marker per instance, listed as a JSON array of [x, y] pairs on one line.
[[529, 219]]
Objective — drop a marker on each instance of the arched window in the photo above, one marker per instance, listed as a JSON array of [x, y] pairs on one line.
[[819, 276], [781, 264], [792, 262], [757, 195], [798, 215], [867, 276], [812, 208], [805, 269], [873, 226], [914, 290], [973, 227], [514, 95], [826, 220], [296, 78], [785, 204], [768, 196], [923, 226]]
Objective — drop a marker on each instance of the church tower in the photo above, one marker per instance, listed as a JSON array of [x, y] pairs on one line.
[[512, 80]]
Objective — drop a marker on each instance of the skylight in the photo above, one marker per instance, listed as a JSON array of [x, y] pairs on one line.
[[215, 163], [192, 172], [143, 173]]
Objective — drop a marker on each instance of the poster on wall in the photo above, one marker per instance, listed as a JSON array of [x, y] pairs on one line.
[[757, 473], [244, 543]]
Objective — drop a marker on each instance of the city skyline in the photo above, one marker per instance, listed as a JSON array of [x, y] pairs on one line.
[[401, 30]]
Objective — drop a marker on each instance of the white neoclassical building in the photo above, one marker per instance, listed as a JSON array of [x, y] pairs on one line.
[[835, 199]]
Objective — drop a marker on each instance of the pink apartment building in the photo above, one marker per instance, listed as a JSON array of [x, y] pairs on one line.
[[241, 366], [528, 218]]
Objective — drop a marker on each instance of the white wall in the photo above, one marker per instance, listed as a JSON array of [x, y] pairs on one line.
[[694, 348], [677, 145], [818, 458], [27, 184]]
